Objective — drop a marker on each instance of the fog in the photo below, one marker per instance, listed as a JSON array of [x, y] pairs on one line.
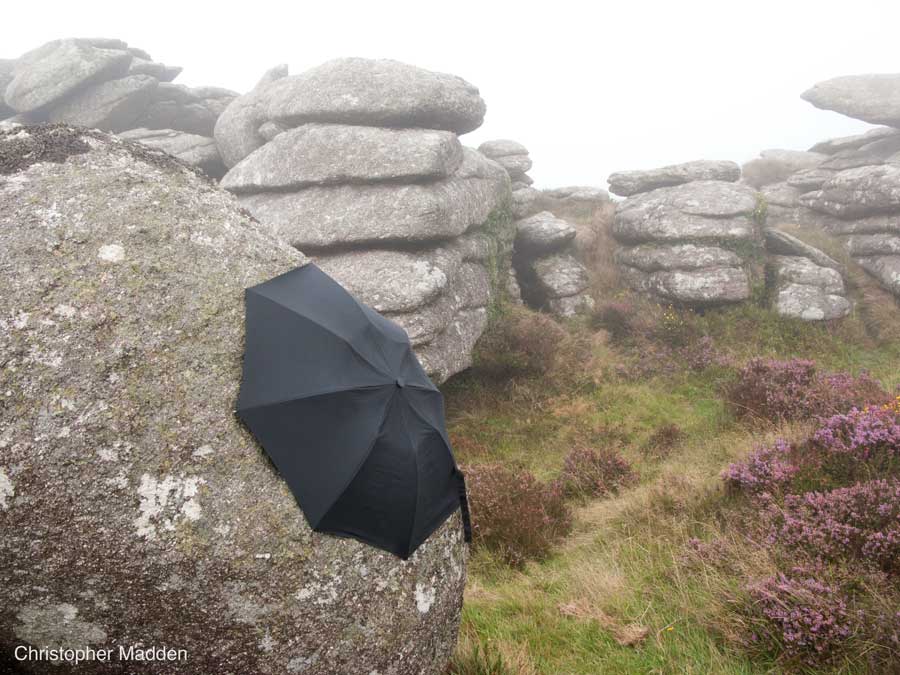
[[588, 88]]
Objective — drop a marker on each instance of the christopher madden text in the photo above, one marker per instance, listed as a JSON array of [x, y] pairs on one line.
[[106, 655]]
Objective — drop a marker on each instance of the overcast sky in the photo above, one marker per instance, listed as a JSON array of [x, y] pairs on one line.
[[588, 87]]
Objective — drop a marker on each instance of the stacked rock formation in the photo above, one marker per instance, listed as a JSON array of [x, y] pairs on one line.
[[105, 84], [807, 283], [686, 231], [513, 157], [549, 275], [121, 335], [357, 162], [545, 274], [850, 186]]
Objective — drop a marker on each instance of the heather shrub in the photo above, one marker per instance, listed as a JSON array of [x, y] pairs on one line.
[[769, 469], [861, 521], [522, 342], [806, 620], [859, 444], [780, 391], [595, 473], [515, 514]]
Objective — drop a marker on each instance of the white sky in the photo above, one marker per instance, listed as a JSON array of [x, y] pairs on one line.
[[588, 87]]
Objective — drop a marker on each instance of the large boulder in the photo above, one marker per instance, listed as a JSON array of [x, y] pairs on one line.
[[701, 287], [196, 151], [365, 92], [134, 508], [654, 257], [364, 214], [543, 233], [854, 142], [376, 92], [627, 183], [237, 129], [322, 154], [698, 210], [114, 105], [804, 290], [854, 193], [885, 268], [45, 75], [871, 98]]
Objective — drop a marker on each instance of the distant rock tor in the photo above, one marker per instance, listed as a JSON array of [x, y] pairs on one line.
[[135, 508]]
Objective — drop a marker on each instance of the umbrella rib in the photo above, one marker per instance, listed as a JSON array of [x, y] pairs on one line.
[[412, 522], [343, 339], [316, 394], [368, 453]]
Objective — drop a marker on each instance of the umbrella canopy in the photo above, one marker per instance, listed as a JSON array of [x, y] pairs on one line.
[[335, 395]]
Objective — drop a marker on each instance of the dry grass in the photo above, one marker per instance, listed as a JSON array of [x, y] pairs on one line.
[[594, 243]]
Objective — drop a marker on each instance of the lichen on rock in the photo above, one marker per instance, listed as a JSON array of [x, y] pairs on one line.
[[133, 505]]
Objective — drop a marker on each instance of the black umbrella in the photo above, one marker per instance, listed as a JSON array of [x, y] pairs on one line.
[[336, 397]]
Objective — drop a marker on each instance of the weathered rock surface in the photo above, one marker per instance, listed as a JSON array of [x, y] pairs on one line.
[[810, 179], [882, 151], [560, 275], [866, 191], [50, 72], [627, 183], [807, 291], [701, 287], [781, 194], [196, 151], [502, 147], [833, 145], [885, 268], [135, 508], [237, 129], [323, 154], [380, 93], [653, 257], [321, 217], [114, 105], [393, 281], [525, 202], [803, 271], [809, 303], [543, 233], [703, 209], [782, 243], [516, 165], [882, 243], [871, 98]]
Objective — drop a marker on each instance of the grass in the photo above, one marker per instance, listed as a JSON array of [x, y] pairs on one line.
[[617, 596]]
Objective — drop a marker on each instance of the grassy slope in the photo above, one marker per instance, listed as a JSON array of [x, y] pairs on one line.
[[619, 571]]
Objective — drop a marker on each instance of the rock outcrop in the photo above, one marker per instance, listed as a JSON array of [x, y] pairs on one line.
[[627, 183], [688, 243], [514, 157], [358, 163], [548, 274], [855, 193], [135, 509], [104, 84], [871, 98]]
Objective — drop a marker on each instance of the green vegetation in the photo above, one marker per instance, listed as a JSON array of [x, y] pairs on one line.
[[624, 591]]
